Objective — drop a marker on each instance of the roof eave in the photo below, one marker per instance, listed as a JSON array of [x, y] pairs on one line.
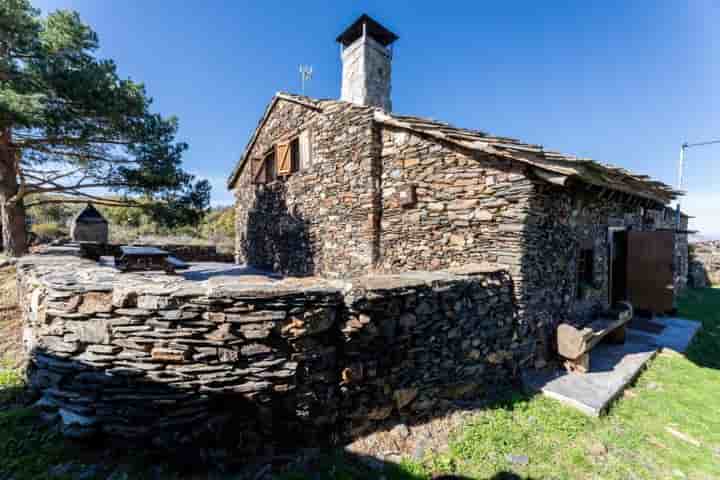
[[556, 164]]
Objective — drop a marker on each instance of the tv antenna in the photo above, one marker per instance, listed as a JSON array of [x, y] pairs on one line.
[[306, 73]]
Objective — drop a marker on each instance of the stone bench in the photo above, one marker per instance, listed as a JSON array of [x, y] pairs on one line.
[[575, 343]]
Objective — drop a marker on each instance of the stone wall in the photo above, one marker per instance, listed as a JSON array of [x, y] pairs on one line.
[[403, 202], [414, 342], [461, 208], [704, 264], [247, 365], [322, 218]]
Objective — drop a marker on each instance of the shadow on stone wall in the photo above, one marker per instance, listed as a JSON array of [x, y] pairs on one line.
[[277, 241], [223, 431], [228, 432]]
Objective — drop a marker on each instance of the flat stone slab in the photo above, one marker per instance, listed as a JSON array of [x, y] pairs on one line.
[[612, 367], [677, 335]]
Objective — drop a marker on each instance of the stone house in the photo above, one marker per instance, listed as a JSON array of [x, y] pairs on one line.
[[343, 188]]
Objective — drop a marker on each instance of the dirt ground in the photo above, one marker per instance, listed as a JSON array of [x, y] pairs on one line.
[[10, 321]]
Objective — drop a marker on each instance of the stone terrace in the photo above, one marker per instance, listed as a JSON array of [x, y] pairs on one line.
[[243, 363]]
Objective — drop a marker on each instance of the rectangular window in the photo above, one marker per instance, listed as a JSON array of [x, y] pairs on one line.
[[305, 149], [295, 155], [258, 170], [270, 173]]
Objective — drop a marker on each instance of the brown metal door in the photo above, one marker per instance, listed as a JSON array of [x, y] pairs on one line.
[[650, 270]]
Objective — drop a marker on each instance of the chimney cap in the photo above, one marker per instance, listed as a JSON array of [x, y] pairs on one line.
[[373, 29]]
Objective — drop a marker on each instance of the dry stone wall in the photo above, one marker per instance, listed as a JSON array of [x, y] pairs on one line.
[[704, 264], [232, 367], [414, 342]]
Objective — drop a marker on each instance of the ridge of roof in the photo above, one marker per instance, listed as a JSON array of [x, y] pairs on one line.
[[89, 213]]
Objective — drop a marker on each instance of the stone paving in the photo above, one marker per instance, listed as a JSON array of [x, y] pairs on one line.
[[612, 367]]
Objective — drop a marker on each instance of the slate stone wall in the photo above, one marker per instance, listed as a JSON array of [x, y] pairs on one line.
[[704, 264], [236, 367], [462, 208], [320, 220], [413, 346]]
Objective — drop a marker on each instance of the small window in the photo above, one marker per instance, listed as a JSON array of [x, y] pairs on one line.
[[295, 155], [270, 172], [586, 276], [305, 159], [258, 170]]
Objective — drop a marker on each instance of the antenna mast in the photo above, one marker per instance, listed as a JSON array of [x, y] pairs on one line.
[[306, 73]]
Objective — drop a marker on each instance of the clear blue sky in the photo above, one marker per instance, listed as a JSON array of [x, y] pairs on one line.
[[621, 82]]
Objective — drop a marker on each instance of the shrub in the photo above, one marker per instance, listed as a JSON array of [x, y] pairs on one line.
[[47, 232]]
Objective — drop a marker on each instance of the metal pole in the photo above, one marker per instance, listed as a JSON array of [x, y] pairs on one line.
[[684, 147], [680, 181]]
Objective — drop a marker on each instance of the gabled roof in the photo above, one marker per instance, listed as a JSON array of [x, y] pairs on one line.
[[89, 214], [554, 167]]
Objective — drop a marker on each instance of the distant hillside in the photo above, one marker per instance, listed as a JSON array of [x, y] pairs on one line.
[[698, 238]]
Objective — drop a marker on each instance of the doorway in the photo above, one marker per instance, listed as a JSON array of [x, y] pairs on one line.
[[617, 274]]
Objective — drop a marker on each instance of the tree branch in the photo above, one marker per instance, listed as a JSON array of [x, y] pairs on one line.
[[105, 202]]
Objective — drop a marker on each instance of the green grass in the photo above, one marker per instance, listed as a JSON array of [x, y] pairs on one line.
[[677, 393]]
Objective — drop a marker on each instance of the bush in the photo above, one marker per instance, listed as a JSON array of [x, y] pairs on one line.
[[219, 223], [47, 232]]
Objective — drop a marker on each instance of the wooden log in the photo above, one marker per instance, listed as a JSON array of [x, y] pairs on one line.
[[574, 342]]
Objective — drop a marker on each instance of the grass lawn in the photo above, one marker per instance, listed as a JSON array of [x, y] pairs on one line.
[[667, 426]]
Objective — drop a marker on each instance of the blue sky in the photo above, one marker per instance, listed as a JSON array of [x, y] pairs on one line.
[[621, 82]]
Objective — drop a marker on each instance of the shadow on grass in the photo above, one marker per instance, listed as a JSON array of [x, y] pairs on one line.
[[703, 305]]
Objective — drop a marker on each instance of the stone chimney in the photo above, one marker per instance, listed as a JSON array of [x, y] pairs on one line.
[[367, 63]]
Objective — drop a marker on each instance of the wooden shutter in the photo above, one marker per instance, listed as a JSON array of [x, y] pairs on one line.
[[284, 161], [258, 170]]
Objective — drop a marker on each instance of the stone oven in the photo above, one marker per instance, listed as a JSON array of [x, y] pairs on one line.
[[89, 226]]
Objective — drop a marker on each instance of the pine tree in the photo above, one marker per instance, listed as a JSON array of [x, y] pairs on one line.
[[71, 126]]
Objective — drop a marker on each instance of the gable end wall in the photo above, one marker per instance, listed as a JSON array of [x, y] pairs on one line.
[[320, 220]]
